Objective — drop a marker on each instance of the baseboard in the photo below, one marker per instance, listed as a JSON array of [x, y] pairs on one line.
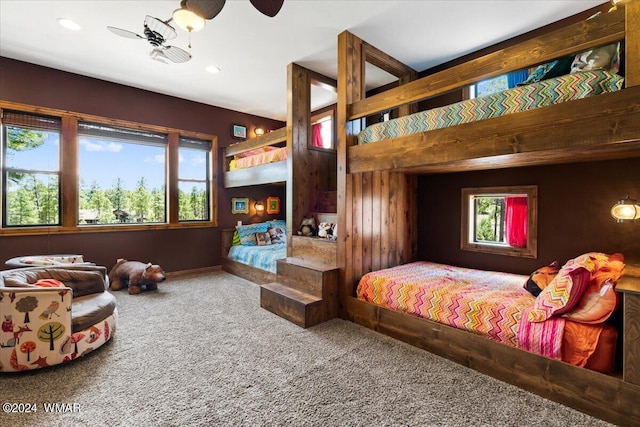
[[180, 273]]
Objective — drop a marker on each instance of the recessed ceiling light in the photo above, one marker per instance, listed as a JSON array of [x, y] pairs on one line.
[[69, 24], [213, 69]]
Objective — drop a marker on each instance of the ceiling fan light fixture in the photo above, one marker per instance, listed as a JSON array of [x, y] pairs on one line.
[[69, 24], [187, 20]]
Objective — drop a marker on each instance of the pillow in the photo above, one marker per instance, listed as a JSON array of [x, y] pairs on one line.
[[552, 69], [247, 233], [236, 239], [600, 299], [253, 152], [564, 292], [263, 239], [540, 278], [561, 295], [278, 234], [278, 223], [49, 283], [605, 58]]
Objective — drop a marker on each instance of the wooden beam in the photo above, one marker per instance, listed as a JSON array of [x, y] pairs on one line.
[[599, 31], [270, 138], [632, 43], [603, 119]]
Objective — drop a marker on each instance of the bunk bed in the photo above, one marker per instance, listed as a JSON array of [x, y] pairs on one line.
[[261, 160], [377, 185]]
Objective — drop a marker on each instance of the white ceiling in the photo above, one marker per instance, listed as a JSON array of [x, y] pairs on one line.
[[253, 50]]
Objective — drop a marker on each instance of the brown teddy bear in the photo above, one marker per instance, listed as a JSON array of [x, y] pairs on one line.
[[135, 275]]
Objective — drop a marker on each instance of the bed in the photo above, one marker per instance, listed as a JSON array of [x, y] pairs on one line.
[[497, 306], [261, 160], [377, 184], [252, 251]]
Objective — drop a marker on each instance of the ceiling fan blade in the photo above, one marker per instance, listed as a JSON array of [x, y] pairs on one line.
[[160, 27], [124, 33], [268, 7], [175, 54], [207, 9]]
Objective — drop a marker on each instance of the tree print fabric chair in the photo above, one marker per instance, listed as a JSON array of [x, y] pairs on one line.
[[52, 315]]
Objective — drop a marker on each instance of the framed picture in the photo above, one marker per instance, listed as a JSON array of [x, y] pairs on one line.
[[273, 205], [239, 131], [240, 205]]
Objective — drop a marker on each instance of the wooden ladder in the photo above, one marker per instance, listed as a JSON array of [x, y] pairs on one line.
[[305, 293]]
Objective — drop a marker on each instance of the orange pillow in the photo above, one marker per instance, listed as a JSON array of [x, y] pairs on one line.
[[49, 283]]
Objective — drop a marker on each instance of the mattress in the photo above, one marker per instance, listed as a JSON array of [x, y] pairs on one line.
[[261, 157], [491, 304], [544, 93], [262, 257]]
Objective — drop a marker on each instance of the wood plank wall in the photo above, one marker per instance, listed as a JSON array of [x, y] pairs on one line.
[[377, 214]]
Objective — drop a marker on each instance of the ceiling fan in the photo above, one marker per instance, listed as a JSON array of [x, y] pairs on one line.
[[208, 9], [156, 32]]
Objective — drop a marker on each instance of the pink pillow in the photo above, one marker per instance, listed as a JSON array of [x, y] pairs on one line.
[[596, 305], [561, 295]]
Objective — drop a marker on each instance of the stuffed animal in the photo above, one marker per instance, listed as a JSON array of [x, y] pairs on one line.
[[325, 229], [135, 275], [541, 278], [307, 227]]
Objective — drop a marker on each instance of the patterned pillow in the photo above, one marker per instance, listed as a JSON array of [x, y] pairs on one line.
[[263, 239], [603, 58], [552, 69], [247, 233], [236, 239], [564, 292], [278, 223], [278, 234]]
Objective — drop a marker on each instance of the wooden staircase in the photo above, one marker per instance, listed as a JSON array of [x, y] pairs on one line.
[[304, 293]]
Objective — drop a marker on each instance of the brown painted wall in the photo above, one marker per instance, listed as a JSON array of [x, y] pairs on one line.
[[175, 250], [573, 213]]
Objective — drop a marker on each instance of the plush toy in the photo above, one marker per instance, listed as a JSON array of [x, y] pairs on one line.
[[308, 227], [135, 275], [325, 229], [541, 278]]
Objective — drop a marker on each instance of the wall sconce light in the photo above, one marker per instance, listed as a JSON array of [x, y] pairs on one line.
[[259, 131], [626, 210], [259, 207]]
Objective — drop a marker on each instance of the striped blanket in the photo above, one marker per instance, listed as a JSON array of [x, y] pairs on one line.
[[547, 92], [487, 303]]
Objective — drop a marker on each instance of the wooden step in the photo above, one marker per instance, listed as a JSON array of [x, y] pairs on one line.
[[296, 306], [303, 276]]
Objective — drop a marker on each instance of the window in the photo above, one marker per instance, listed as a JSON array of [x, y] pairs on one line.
[[31, 169], [193, 179], [322, 130], [497, 84], [70, 172], [122, 175], [500, 220]]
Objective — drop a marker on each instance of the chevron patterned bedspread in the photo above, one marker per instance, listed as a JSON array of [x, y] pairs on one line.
[[547, 92], [485, 302]]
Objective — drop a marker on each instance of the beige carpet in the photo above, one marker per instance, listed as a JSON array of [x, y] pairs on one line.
[[201, 352]]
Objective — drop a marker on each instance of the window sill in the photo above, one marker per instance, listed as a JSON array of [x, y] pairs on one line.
[[34, 231]]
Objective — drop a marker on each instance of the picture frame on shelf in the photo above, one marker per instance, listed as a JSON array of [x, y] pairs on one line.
[[240, 205], [273, 205], [239, 131]]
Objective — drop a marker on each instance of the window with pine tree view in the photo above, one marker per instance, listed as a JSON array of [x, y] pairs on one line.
[[122, 175], [31, 165], [193, 179]]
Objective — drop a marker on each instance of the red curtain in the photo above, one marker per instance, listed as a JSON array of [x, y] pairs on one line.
[[316, 132], [516, 221]]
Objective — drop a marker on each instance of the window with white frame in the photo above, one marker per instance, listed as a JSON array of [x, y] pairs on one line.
[[322, 130], [31, 169], [501, 220]]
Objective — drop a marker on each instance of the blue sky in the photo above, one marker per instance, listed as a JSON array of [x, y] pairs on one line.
[[104, 160]]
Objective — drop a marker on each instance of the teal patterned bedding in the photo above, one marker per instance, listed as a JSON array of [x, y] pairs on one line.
[[547, 92], [263, 257]]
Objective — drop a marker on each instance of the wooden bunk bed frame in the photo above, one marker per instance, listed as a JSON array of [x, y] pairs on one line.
[[377, 184], [270, 173]]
